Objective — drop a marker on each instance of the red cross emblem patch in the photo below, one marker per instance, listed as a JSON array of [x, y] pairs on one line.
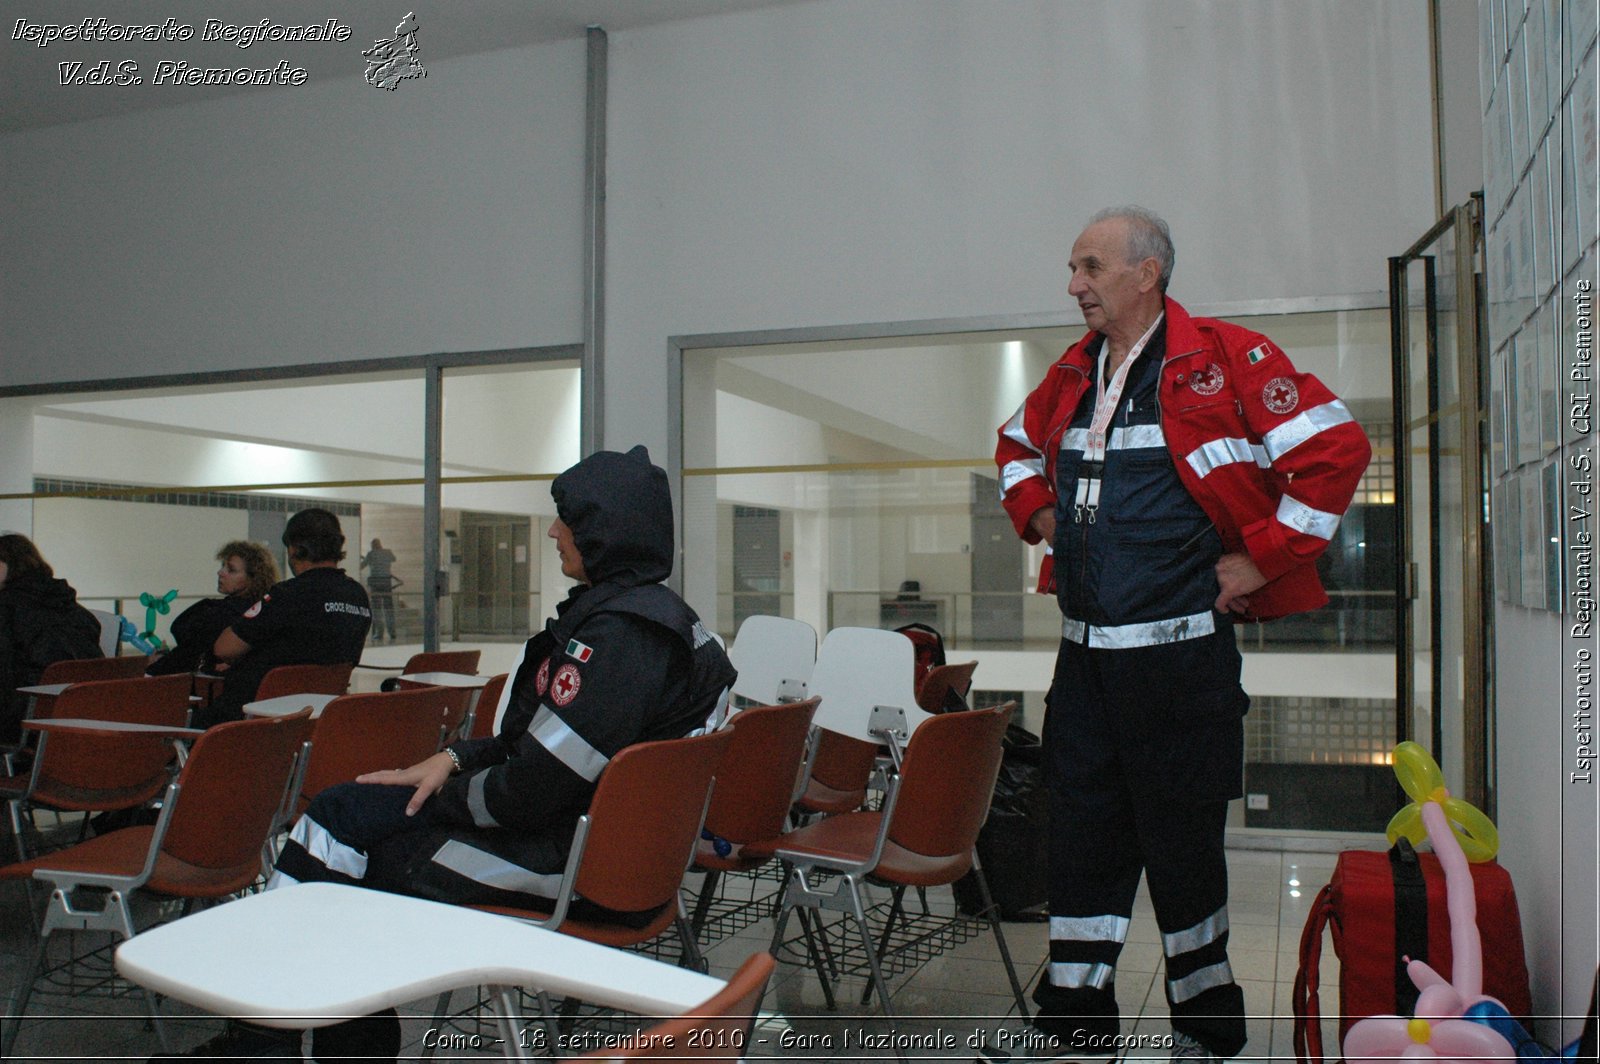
[[1207, 381], [542, 681], [255, 610], [564, 688], [1280, 395]]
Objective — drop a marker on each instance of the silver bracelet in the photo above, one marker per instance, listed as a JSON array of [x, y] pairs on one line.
[[455, 759]]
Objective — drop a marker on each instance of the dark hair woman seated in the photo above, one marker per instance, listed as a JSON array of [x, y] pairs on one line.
[[40, 623]]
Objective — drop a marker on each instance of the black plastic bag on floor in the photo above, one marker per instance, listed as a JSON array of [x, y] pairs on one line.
[[1013, 843]]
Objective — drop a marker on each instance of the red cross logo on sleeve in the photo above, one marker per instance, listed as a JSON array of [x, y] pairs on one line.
[[564, 688], [1280, 395]]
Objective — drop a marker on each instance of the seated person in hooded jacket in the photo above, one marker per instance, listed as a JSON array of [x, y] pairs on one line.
[[624, 661], [40, 623], [247, 574]]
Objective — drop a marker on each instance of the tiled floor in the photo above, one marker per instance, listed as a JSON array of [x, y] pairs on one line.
[[948, 1006]]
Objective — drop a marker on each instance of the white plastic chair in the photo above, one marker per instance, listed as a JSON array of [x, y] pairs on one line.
[[774, 656], [865, 678], [110, 632]]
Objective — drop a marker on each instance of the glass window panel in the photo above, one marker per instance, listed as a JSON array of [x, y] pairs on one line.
[[508, 430]]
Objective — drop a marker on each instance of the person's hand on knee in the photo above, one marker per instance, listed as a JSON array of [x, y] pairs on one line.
[[426, 776]]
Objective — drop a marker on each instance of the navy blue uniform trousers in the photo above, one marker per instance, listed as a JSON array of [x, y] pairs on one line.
[[1144, 749]]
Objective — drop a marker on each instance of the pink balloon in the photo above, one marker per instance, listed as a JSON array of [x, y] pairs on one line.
[[1439, 1002], [1465, 1040], [1376, 1038], [1466, 947]]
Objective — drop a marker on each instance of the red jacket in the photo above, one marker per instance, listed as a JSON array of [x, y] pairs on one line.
[[1270, 454]]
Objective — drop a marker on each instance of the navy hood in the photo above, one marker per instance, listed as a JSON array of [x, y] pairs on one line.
[[619, 508]]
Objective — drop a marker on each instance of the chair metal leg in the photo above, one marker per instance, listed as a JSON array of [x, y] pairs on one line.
[[825, 976], [20, 1000], [155, 1020], [872, 958], [505, 1013], [441, 1009], [781, 923], [691, 956], [895, 910], [992, 911], [702, 904]]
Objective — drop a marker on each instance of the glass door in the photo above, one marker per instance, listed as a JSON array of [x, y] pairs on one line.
[[1442, 646]]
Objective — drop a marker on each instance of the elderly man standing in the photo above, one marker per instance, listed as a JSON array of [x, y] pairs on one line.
[[1184, 475]]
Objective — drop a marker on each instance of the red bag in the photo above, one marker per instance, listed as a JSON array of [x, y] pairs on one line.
[[1383, 907]]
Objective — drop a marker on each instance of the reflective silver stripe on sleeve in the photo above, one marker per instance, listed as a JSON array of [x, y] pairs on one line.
[[1078, 976], [483, 867], [1196, 983], [476, 804], [1302, 518], [1015, 472], [1108, 928], [567, 746], [1145, 634], [1215, 454], [332, 854], [1300, 428], [1075, 440], [1014, 431], [1204, 933]]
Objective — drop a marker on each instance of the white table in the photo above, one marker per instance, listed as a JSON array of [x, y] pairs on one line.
[[43, 690], [286, 705], [316, 953], [457, 680]]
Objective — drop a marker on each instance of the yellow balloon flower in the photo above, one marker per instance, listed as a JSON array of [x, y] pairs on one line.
[[1421, 779]]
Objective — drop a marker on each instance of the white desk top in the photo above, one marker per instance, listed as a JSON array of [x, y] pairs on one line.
[[446, 679], [49, 690], [85, 724], [284, 705], [312, 954]]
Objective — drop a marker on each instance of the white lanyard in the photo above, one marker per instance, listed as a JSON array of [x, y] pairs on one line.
[[1105, 406]]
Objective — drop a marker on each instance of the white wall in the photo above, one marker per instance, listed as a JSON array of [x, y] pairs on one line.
[[833, 163], [329, 222]]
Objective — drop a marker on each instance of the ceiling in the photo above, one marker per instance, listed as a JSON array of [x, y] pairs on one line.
[[31, 93]]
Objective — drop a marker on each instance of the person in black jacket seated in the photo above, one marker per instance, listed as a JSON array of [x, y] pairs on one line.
[[624, 661], [40, 623], [320, 617], [248, 572]]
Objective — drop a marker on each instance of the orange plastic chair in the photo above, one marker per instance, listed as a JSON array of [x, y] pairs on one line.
[[304, 680], [943, 680], [716, 1029], [753, 792], [206, 844], [924, 836], [464, 662], [841, 770], [373, 731], [82, 670], [93, 773], [631, 849], [488, 701]]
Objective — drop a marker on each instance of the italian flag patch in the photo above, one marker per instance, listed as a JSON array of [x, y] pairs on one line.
[[1257, 354], [581, 651]]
